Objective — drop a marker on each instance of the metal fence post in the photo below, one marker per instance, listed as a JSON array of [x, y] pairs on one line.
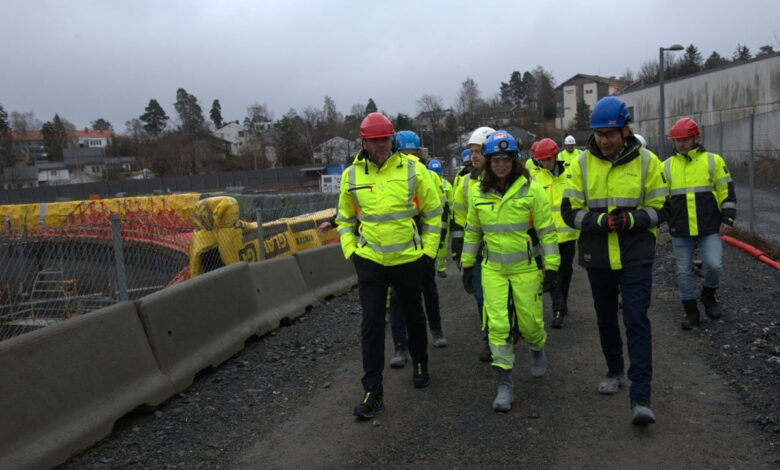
[[261, 239], [751, 177], [119, 257], [7, 226]]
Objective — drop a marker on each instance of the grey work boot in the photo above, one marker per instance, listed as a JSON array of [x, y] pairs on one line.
[[641, 413], [506, 390], [611, 384], [438, 339], [400, 357], [538, 363]]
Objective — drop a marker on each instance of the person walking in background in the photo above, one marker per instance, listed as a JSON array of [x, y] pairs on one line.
[[499, 214], [568, 153], [703, 207], [441, 259], [377, 196], [551, 175], [460, 205], [616, 196]]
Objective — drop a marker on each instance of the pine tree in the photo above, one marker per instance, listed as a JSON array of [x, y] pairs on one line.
[[154, 118], [216, 114], [101, 124]]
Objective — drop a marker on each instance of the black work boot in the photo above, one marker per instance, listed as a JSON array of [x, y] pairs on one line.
[[557, 319], [711, 307], [691, 318], [421, 379], [372, 404]]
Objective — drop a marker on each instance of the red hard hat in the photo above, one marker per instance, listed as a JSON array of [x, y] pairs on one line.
[[545, 148], [685, 127], [376, 125]]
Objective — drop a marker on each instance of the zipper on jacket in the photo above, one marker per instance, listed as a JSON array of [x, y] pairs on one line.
[[367, 186], [493, 204]]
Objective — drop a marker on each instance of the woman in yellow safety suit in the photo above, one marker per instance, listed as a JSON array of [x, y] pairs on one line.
[[500, 212]]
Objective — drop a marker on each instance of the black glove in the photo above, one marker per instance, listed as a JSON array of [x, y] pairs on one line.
[[595, 222], [468, 277], [620, 220], [550, 279]]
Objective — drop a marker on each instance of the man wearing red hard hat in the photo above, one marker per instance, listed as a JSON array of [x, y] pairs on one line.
[[703, 207]]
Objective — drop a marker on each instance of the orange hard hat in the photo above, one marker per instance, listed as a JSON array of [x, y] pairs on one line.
[[545, 148], [376, 125], [685, 127]]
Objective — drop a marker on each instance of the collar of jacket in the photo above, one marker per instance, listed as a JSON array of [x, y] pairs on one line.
[[691, 154], [630, 151], [512, 190], [396, 159]]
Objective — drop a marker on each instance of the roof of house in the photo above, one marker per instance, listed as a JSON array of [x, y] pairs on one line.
[[616, 82], [90, 134], [27, 136], [20, 173]]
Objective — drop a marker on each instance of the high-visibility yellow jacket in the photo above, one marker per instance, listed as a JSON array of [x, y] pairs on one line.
[[701, 193], [502, 222], [553, 183], [530, 164], [595, 186], [460, 209], [382, 202], [566, 156]]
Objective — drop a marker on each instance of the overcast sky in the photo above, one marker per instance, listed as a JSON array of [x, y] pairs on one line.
[[90, 59]]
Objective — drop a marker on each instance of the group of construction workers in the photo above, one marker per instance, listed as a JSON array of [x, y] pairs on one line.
[[514, 226]]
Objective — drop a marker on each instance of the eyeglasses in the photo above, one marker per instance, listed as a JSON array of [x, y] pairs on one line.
[[609, 134], [500, 158]]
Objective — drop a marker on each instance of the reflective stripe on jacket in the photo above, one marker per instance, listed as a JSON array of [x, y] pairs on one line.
[[701, 193], [553, 186], [594, 184], [382, 202], [460, 210], [565, 156], [502, 223]]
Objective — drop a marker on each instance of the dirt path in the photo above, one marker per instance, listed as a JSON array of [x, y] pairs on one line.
[[701, 422]]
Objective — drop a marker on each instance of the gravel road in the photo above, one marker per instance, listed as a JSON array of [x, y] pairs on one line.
[[286, 400]]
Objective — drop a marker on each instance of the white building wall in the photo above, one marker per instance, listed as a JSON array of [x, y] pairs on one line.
[[569, 105]]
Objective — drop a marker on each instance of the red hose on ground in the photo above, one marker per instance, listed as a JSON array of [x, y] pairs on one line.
[[753, 251]]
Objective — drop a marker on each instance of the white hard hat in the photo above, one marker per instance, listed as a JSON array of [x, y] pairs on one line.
[[480, 135], [569, 140], [641, 140]]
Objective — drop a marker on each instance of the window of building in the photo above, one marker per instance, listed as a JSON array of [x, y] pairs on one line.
[[588, 92]]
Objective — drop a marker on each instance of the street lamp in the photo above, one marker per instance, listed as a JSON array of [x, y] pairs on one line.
[[661, 114]]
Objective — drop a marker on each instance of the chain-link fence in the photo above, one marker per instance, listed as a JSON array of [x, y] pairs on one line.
[[51, 274]]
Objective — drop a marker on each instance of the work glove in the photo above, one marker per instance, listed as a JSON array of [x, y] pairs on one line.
[[620, 220], [468, 278], [595, 222], [550, 280]]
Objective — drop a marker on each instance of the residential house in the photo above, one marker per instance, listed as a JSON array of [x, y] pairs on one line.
[[235, 134], [53, 173], [19, 177], [28, 147], [335, 150], [91, 139], [591, 88]]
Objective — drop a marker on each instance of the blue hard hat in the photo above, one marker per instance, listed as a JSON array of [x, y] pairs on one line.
[[610, 111], [435, 166], [500, 142], [465, 156], [407, 140]]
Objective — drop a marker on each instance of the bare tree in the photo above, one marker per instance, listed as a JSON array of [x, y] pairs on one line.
[[431, 109], [468, 103], [258, 117]]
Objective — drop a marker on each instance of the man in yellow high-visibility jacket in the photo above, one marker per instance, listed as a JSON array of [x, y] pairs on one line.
[[703, 207], [616, 196], [551, 175], [380, 194], [568, 153]]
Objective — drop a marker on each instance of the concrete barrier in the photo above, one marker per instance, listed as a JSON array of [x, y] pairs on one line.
[[281, 291], [63, 387], [325, 271], [201, 322]]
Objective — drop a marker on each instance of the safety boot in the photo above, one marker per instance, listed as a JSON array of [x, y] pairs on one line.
[[538, 363], [557, 319], [711, 307], [420, 377], [505, 395], [400, 357], [641, 414], [438, 339], [691, 314], [372, 404]]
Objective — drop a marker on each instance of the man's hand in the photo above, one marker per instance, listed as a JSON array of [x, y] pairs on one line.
[[468, 278], [725, 229], [620, 220], [323, 228]]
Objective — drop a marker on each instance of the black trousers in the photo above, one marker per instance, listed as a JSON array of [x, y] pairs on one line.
[[373, 281], [430, 298], [560, 295]]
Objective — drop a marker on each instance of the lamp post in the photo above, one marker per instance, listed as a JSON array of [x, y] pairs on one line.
[[662, 114]]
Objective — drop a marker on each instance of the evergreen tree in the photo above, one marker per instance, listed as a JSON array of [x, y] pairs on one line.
[[403, 121], [691, 61], [370, 107], [216, 114], [742, 53], [154, 118], [582, 117], [514, 92], [101, 124], [6, 153], [55, 137], [190, 113], [288, 141], [765, 50], [715, 60]]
